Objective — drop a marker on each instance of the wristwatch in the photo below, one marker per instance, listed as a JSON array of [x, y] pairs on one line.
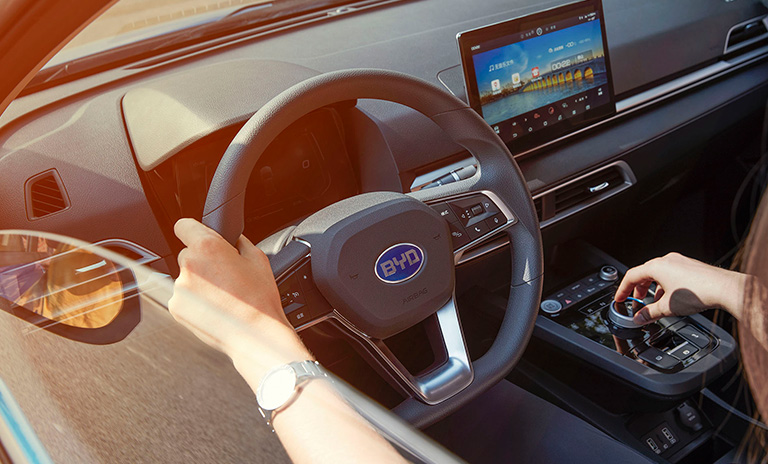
[[280, 386]]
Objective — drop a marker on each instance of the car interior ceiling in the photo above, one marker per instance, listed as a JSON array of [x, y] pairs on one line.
[[685, 159]]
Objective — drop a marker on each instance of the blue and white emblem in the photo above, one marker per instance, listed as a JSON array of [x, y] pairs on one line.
[[399, 263]]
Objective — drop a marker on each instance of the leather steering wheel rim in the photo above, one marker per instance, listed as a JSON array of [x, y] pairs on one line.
[[498, 172]]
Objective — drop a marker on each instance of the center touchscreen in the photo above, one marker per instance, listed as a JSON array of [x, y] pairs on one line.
[[540, 77]]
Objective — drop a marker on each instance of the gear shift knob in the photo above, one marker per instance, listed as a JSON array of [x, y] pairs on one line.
[[621, 313]]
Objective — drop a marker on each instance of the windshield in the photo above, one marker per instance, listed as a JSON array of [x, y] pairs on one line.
[[134, 22]]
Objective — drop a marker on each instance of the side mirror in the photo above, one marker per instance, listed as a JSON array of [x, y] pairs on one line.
[[77, 292]]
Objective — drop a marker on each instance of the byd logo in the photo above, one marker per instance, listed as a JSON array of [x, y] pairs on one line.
[[399, 263]]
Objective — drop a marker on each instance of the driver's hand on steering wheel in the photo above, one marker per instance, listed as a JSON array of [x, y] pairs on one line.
[[684, 287], [228, 297]]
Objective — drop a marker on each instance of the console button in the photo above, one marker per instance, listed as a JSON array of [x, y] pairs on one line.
[[477, 230], [694, 336], [458, 235], [689, 418], [445, 212], [590, 309], [575, 287], [684, 351], [589, 281], [658, 358], [551, 306], [609, 273], [602, 284]]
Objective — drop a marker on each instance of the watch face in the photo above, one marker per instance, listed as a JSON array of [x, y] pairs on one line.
[[277, 388]]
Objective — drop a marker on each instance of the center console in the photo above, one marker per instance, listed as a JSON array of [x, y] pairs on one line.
[[674, 357], [667, 346], [640, 384]]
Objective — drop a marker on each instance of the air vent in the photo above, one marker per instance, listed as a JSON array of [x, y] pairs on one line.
[[745, 34], [586, 189], [539, 209], [45, 195]]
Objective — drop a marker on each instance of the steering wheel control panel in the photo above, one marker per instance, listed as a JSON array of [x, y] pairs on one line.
[[470, 217], [300, 298], [584, 306]]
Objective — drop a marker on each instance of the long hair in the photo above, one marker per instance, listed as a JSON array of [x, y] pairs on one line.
[[754, 350]]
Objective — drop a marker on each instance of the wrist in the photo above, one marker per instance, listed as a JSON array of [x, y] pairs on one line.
[[733, 294], [282, 346]]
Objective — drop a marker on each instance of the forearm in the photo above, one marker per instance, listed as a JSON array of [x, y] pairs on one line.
[[319, 426]]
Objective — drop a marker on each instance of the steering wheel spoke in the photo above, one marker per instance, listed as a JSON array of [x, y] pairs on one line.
[[450, 374]]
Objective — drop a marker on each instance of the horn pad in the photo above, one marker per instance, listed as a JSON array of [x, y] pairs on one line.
[[383, 260]]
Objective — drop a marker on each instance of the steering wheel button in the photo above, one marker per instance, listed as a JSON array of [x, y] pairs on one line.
[[551, 306], [477, 210], [477, 230], [458, 235], [445, 211], [496, 221], [292, 307], [299, 317]]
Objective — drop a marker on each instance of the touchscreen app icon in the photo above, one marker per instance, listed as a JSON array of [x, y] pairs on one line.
[[535, 72], [516, 79], [496, 85]]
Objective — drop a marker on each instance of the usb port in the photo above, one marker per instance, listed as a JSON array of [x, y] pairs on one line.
[[669, 436], [653, 445]]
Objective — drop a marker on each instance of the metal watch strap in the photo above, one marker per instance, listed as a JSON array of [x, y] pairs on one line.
[[305, 371]]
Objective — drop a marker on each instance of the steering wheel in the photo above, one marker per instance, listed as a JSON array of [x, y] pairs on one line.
[[384, 262]]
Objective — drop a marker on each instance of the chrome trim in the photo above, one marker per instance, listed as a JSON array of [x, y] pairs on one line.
[[483, 249], [92, 267], [629, 181], [763, 19], [18, 438], [147, 255], [445, 381], [689, 81], [303, 242], [598, 188]]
